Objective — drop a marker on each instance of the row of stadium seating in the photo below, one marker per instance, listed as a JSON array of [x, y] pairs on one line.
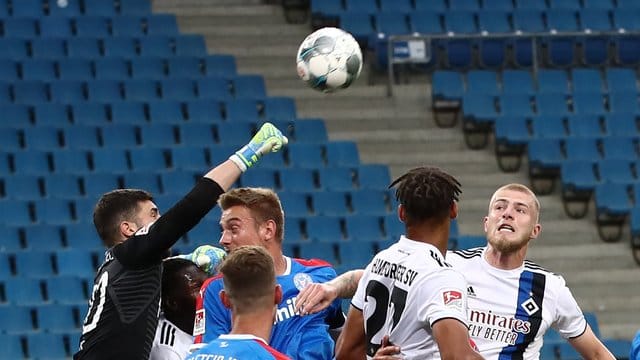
[[66, 8], [95, 47], [39, 346], [96, 26], [117, 68]]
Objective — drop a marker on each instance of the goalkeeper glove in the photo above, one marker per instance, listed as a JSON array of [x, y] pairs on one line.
[[206, 257], [267, 139]]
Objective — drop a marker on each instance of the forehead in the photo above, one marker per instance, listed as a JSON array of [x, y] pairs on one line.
[[147, 205], [235, 213], [513, 196]]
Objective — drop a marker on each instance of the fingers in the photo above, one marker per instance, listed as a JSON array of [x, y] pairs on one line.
[[310, 300]]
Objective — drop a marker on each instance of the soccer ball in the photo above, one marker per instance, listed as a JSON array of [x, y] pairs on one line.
[[329, 59]]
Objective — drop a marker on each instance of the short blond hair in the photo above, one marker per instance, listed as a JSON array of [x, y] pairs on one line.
[[263, 203], [519, 188]]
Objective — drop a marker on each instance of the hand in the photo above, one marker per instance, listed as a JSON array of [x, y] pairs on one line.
[[267, 139], [207, 258], [315, 298], [387, 350]]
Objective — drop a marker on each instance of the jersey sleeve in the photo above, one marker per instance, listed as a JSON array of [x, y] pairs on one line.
[[443, 294], [217, 318], [358, 298], [570, 321], [163, 352]]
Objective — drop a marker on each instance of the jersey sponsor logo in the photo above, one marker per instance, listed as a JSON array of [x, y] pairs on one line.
[[530, 306], [453, 298], [394, 271], [199, 323], [494, 327], [301, 280], [213, 357], [286, 311]]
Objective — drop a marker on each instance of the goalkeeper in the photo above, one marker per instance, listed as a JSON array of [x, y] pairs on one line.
[[122, 315]]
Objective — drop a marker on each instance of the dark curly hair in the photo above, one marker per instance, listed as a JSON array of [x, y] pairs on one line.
[[426, 193]]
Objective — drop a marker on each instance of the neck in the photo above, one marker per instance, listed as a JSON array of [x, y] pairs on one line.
[[505, 260], [436, 234], [279, 262], [258, 323]]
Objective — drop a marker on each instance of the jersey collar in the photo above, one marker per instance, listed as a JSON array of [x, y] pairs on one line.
[[287, 270], [241, 337], [413, 244], [499, 272]]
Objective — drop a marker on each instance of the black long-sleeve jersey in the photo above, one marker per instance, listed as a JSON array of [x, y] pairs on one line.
[[123, 310]]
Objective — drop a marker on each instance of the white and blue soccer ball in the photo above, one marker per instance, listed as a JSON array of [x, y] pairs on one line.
[[329, 59]]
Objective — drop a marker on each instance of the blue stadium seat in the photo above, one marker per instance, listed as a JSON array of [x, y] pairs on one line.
[[141, 90], [11, 344], [204, 111], [147, 67], [64, 186], [103, 91], [586, 80], [100, 8], [310, 130], [336, 178], [178, 89], [15, 213], [373, 176], [627, 51], [10, 139], [391, 22], [158, 45], [447, 86], [80, 137], [47, 48], [579, 148], [460, 22], [578, 180], [364, 6], [585, 126], [220, 65], [128, 112], [5, 94], [493, 53], [214, 88], [165, 112], [244, 110], [53, 211], [294, 204], [120, 46], [296, 179], [162, 24], [51, 116], [545, 158], [72, 162], [619, 348], [147, 159], [325, 229], [626, 19], [483, 82], [425, 22], [127, 25], [27, 8], [615, 170], [516, 104], [435, 5], [551, 104], [325, 11], [358, 24], [92, 26], [19, 27], [467, 5], [75, 262], [342, 153], [38, 69], [233, 134], [595, 51], [249, 86], [10, 243], [305, 155], [57, 319], [501, 5], [364, 228], [82, 234], [528, 20], [47, 345], [322, 251], [458, 54], [110, 159], [16, 116], [624, 103], [620, 124], [111, 69], [34, 264], [595, 20], [22, 187], [368, 202], [67, 91], [405, 6], [92, 113], [354, 254], [330, 203], [31, 162], [553, 81], [588, 103], [620, 147], [13, 48], [157, 135], [30, 92], [100, 183], [121, 135], [190, 45], [42, 138], [185, 67], [23, 291], [279, 108], [137, 7], [142, 180], [262, 177], [196, 134], [470, 241], [15, 320], [72, 8], [8, 69], [177, 182]]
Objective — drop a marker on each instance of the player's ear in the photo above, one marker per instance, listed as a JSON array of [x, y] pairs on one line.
[[278, 297], [127, 229], [225, 299], [401, 213], [269, 229], [453, 212]]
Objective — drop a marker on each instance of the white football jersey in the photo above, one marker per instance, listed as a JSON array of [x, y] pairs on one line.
[[510, 310], [403, 292], [170, 342]]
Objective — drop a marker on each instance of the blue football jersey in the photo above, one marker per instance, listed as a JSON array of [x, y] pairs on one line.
[[237, 347], [300, 337]]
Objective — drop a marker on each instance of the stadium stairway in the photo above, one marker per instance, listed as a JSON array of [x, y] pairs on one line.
[[401, 133]]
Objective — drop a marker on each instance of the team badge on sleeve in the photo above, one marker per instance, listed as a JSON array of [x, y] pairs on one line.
[[198, 323], [300, 280], [452, 298]]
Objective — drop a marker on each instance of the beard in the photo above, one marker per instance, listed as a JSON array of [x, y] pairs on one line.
[[504, 245]]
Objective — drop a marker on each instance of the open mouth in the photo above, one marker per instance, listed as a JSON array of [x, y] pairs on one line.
[[506, 228]]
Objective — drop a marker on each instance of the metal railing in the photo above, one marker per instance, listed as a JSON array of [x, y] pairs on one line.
[[416, 48]]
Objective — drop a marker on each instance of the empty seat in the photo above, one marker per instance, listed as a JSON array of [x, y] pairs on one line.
[[177, 182], [260, 177], [142, 180], [162, 24], [204, 111], [158, 45], [120, 46], [67, 91], [53, 211], [355, 255], [148, 67], [75, 262], [551, 104], [327, 229], [80, 138], [342, 153], [34, 264], [48, 48], [38, 69], [585, 126], [233, 134], [71, 8], [111, 69], [295, 179], [249, 86], [147, 159], [322, 251], [20, 27], [178, 89], [96, 185], [368, 202], [13, 48], [185, 67], [135, 7], [279, 109], [157, 135], [89, 114], [82, 47], [242, 110], [46, 345], [11, 344], [10, 243], [220, 65], [128, 113], [142, 90], [364, 228], [188, 157], [15, 213], [30, 92], [294, 204], [110, 160], [42, 138], [57, 319], [336, 178], [92, 26], [578, 148], [190, 45], [127, 25], [83, 235], [310, 130], [330, 203], [72, 162], [15, 320], [306, 155], [32, 162], [119, 136], [196, 134], [214, 88]]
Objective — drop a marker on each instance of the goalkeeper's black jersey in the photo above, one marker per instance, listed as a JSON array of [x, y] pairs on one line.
[[123, 310]]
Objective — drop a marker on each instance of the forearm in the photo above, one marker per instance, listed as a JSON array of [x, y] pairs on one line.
[[346, 284]]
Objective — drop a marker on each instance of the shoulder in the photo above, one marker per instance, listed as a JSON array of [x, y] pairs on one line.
[[467, 254], [312, 262], [551, 278], [213, 282], [273, 352]]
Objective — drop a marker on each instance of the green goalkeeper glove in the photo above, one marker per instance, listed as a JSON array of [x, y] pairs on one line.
[[267, 139], [206, 257]]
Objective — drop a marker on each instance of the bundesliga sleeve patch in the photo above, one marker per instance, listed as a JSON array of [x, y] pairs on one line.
[[453, 299], [199, 323]]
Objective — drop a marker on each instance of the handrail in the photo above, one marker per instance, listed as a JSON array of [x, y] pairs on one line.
[[427, 38]]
